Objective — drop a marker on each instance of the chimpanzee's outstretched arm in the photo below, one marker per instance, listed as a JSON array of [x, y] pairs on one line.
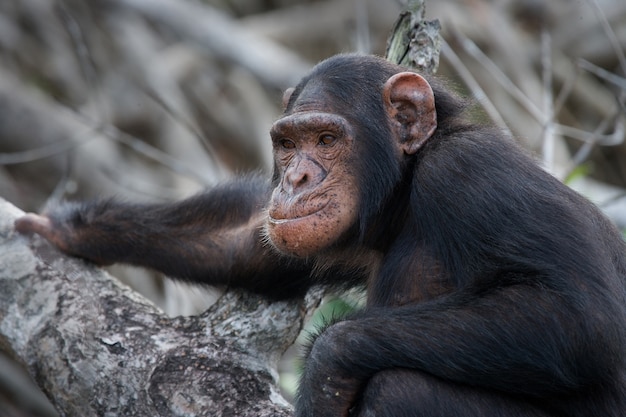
[[215, 238]]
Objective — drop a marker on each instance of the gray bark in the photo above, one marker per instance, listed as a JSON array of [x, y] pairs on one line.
[[97, 348]]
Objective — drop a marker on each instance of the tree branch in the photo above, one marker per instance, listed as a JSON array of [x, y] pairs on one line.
[[415, 42], [98, 348]]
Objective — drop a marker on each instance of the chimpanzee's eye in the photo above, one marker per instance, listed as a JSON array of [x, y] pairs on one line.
[[287, 144], [327, 139]]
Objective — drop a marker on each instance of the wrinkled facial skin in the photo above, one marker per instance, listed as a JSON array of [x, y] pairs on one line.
[[316, 199]]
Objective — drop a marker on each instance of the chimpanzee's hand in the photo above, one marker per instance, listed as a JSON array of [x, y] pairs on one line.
[[57, 230], [41, 225], [325, 389]]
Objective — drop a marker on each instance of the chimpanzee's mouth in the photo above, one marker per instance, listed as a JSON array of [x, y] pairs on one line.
[[279, 217]]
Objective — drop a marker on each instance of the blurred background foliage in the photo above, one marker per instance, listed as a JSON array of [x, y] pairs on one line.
[[155, 100]]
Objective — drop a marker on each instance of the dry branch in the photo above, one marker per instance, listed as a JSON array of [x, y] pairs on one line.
[[415, 42]]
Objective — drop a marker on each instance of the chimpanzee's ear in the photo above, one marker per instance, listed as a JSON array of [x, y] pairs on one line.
[[410, 105], [286, 96]]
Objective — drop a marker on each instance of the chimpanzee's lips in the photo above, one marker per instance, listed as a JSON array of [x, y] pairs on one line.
[[277, 216]]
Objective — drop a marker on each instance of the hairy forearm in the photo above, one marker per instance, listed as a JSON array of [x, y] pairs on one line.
[[214, 238], [447, 339]]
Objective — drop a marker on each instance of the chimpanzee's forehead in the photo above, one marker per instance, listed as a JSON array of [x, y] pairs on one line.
[[320, 96], [314, 96]]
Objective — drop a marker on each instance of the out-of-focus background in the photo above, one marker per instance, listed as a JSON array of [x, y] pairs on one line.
[[156, 99]]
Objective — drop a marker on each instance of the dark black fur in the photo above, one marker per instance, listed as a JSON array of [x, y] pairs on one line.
[[532, 322]]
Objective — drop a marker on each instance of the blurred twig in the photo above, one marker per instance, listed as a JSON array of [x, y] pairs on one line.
[[548, 148], [477, 91], [610, 33], [602, 73], [212, 29]]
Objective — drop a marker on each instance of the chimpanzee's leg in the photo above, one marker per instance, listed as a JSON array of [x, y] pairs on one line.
[[409, 393]]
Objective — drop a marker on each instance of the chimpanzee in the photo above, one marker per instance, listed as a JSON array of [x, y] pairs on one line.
[[493, 289]]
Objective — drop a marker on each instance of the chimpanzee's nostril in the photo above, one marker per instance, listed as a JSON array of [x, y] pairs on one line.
[[302, 176], [303, 180], [295, 179]]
